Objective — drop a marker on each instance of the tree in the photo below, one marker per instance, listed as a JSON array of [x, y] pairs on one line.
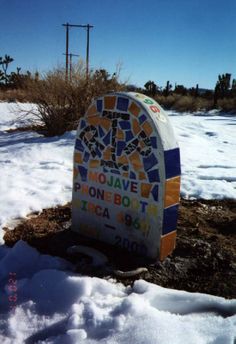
[[167, 89], [151, 88], [4, 62]]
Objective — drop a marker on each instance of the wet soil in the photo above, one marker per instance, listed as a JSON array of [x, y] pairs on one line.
[[204, 259]]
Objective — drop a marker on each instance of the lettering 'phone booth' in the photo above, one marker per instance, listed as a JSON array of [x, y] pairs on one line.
[[127, 175]]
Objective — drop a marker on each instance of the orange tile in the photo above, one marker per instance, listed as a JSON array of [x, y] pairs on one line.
[[147, 128], [134, 109], [122, 160], [145, 189], [92, 110], [136, 126], [107, 154], [75, 172], [78, 158], [94, 163], [110, 102], [136, 161], [167, 244], [125, 174], [142, 176], [120, 134], [105, 123], [172, 191], [94, 120]]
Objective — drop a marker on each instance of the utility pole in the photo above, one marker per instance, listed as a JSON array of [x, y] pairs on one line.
[[67, 47], [70, 70], [88, 27]]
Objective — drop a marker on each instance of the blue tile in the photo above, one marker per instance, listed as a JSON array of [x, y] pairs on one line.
[[78, 145], [99, 105], [119, 147], [101, 131], [115, 171], [172, 163], [107, 138], [170, 219], [142, 119], [125, 125], [98, 152], [83, 173], [149, 162], [155, 193], [86, 156], [153, 140], [122, 104], [82, 124], [132, 175], [153, 176], [128, 135]]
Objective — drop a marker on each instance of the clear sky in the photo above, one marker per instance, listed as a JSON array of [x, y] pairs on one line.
[[184, 41]]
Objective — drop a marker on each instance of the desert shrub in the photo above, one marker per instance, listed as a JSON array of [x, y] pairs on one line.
[[60, 102], [227, 104]]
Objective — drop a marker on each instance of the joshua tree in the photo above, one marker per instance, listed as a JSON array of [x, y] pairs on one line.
[[151, 88], [4, 63]]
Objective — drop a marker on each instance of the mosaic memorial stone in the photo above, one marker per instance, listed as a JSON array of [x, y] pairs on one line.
[[127, 175]]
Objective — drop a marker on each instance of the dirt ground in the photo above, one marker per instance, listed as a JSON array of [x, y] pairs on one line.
[[204, 259]]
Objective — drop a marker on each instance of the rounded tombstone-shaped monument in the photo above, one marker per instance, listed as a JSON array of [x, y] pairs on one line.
[[127, 175]]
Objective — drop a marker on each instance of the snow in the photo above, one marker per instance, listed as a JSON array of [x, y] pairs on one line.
[[56, 305]]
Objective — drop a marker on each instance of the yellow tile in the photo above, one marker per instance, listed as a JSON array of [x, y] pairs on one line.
[[167, 244], [92, 110], [78, 157], [134, 109], [94, 163], [147, 128], [110, 102], [75, 172], [172, 191], [125, 175], [145, 189]]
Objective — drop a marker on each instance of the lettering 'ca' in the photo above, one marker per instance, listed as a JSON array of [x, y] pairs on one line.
[[127, 175]]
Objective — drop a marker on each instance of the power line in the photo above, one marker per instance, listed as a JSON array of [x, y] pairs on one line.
[[71, 55]]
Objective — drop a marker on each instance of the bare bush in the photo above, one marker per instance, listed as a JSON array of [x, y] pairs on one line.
[[60, 103]]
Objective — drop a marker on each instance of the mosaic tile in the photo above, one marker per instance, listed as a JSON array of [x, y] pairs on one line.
[[83, 173], [172, 191], [122, 104], [78, 145], [119, 147], [132, 175], [125, 125], [128, 135], [168, 242], [172, 163], [99, 105], [92, 111], [147, 128], [86, 156], [78, 158], [134, 109], [109, 102], [149, 162], [170, 219], [142, 119], [101, 131], [142, 176], [136, 127], [155, 192], [93, 163], [153, 140], [82, 124], [107, 138], [153, 176], [145, 189]]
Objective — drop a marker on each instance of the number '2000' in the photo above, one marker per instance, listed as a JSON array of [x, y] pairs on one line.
[[131, 246]]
